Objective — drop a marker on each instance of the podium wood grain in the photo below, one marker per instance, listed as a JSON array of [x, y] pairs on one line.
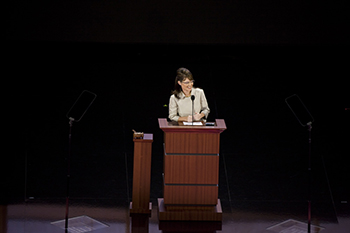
[[142, 175], [195, 169], [191, 172]]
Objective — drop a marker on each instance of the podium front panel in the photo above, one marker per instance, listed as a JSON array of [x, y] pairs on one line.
[[191, 169], [192, 143]]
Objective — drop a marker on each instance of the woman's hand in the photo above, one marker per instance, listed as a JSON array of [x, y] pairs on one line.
[[189, 119], [198, 116]]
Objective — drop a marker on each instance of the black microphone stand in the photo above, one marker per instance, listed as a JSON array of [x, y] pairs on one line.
[[68, 169], [192, 98], [310, 180], [79, 108], [295, 102]]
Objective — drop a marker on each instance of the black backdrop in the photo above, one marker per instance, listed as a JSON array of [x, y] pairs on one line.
[[198, 21], [247, 57]]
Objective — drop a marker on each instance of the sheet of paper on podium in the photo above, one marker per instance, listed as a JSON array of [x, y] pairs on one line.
[[194, 123]]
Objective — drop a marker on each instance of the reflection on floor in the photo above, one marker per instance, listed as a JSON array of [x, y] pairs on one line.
[[39, 216]]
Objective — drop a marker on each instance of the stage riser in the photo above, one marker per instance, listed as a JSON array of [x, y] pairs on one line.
[[165, 214], [190, 195]]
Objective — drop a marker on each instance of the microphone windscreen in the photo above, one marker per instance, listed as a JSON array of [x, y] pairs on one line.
[[192, 97]]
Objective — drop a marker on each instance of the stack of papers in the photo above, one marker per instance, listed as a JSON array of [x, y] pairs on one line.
[[194, 123]]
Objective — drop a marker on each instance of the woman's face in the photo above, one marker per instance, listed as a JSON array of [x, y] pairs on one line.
[[186, 85]]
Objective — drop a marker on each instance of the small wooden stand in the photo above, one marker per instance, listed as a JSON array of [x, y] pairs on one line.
[[142, 176]]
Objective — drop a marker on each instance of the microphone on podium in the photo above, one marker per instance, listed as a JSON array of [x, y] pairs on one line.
[[192, 98]]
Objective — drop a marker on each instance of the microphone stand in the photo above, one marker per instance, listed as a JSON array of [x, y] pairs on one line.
[[192, 98], [310, 179], [68, 169], [79, 108], [299, 105]]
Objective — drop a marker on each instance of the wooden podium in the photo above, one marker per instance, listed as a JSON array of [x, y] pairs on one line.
[[191, 172], [142, 176]]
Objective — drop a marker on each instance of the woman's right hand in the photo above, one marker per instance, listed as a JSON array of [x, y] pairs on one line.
[[189, 118]]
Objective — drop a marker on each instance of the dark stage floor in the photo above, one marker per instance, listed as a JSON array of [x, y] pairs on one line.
[[264, 151]]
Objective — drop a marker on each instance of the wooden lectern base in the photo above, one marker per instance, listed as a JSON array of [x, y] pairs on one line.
[[189, 214], [141, 211]]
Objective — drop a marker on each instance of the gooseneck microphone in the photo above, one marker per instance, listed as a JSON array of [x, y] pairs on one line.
[[192, 98]]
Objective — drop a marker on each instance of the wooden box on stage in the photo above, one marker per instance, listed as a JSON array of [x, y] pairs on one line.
[[191, 172], [142, 175]]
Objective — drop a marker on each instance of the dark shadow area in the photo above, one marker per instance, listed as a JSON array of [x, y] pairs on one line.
[[264, 151]]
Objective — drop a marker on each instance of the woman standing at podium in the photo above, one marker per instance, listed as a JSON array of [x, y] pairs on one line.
[[180, 103]]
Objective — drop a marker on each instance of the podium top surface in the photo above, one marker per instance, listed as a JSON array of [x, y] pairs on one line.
[[166, 126], [147, 137]]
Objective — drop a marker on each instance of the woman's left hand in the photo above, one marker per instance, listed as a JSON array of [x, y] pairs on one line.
[[198, 116]]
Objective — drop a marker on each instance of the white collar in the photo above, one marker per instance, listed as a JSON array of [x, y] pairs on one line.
[[182, 95]]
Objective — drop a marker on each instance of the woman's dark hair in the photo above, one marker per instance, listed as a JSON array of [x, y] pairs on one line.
[[181, 75]]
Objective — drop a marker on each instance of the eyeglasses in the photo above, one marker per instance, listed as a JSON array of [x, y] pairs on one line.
[[186, 83]]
